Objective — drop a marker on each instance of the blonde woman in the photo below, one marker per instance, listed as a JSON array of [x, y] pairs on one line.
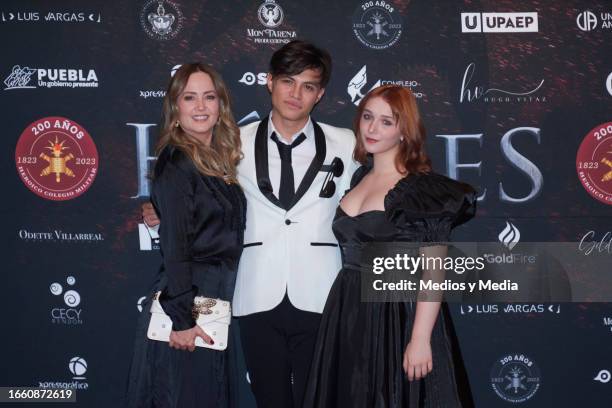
[[196, 195]]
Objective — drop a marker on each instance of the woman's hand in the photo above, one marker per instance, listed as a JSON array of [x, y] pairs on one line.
[[149, 215], [185, 339], [417, 359]]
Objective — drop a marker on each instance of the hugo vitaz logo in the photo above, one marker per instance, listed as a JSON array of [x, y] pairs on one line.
[[29, 78], [515, 378], [471, 92], [499, 22], [377, 24], [70, 315], [77, 366], [271, 16], [56, 158], [161, 19], [594, 163]]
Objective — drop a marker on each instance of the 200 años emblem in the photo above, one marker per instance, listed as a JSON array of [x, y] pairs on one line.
[[56, 158]]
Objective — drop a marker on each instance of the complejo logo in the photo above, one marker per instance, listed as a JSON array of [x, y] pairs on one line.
[[56, 158]]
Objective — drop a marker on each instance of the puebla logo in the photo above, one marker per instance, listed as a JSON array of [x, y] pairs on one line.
[[377, 24], [56, 158], [594, 163]]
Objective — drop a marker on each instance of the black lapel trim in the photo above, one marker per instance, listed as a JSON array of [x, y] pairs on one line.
[[262, 172], [315, 164]]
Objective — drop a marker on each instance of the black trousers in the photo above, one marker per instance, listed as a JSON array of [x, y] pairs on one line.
[[278, 346]]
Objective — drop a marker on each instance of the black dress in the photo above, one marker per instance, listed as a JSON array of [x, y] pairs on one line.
[[360, 347], [201, 237]]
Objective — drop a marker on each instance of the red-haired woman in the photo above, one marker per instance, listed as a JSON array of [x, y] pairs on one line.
[[389, 354]]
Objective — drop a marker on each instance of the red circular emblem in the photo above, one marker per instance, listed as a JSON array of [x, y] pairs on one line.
[[56, 158], [594, 163]]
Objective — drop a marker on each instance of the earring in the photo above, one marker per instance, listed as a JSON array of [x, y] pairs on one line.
[[177, 124], [401, 139]]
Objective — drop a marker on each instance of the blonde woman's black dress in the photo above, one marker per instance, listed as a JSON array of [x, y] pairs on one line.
[[201, 237]]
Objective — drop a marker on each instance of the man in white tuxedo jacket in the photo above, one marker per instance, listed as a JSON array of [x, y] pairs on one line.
[[294, 173]]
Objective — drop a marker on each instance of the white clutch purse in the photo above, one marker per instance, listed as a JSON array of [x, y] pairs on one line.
[[213, 316]]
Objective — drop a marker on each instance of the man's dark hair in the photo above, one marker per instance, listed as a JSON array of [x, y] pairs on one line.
[[297, 56]]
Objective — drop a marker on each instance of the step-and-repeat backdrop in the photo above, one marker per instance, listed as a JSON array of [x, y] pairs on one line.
[[516, 97]]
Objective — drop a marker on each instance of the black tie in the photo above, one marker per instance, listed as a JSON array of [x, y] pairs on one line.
[[287, 189]]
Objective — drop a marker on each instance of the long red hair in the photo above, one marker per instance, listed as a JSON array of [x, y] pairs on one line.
[[411, 156]]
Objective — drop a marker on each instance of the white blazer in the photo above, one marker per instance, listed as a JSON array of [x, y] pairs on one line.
[[290, 251]]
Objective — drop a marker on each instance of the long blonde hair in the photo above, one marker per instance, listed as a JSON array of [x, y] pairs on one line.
[[222, 156]]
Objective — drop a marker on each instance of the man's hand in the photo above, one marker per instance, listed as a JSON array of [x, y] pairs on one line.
[[149, 215]]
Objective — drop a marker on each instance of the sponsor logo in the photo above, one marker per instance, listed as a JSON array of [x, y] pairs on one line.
[[152, 94], [510, 236], [511, 308], [588, 21], [499, 22], [359, 81], [174, 69], [69, 315], [149, 238], [161, 19], [271, 16], [377, 24], [603, 376], [50, 17], [77, 366], [594, 163], [607, 322], [158, 93], [56, 158], [140, 302], [249, 118], [471, 93], [515, 378], [59, 236], [249, 78], [587, 245], [21, 78], [609, 83]]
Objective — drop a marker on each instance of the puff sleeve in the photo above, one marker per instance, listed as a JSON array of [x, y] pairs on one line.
[[426, 207]]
